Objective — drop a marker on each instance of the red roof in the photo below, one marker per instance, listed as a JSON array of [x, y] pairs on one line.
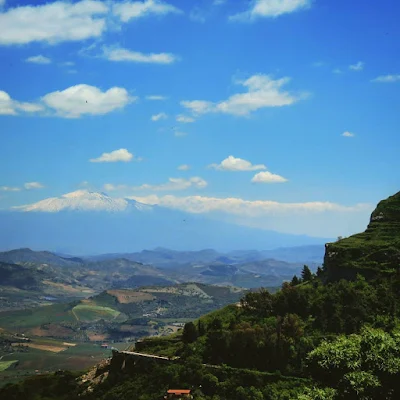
[[178, 391]]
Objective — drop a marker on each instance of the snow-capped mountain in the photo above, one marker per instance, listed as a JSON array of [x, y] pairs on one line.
[[85, 222], [84, 200]]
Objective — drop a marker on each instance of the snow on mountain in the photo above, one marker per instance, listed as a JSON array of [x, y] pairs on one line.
[[84, 200]]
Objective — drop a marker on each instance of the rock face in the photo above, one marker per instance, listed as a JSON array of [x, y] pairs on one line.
[[373, 252]]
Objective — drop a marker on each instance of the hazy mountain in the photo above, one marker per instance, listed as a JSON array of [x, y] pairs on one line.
[[85, 222], [26, 255], [166, 258]]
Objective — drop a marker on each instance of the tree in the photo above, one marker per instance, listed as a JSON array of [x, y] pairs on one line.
[[295, 281], [306, 274], [201, 328], [259, 303], [320, 272], [189, 334], [364, 366]]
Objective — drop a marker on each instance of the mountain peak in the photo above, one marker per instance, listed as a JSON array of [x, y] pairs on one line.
[[83, 200]]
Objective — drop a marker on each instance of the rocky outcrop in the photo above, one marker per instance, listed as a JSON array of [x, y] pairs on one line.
[[373, 252]]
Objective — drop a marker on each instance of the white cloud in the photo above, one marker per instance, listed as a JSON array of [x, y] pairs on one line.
[[219, 2], [157, 117], [318, 64], [175, 184], [262, 91], [82, 99], [236, 164], [337, 71], [38, 59], [387, 78], [270, 9], [53, 22], [109, 187], [348, 134], [156, 97], [120, 54], [357, 67], [33, 185], [122, 155], [184, 119], [9, 189], [184, 167], [8, 106], [198, 106], [268, 177], [139, 9], [238, 206]]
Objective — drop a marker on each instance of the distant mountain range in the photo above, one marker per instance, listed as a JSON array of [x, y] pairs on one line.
[[84, 222], [29, 278]]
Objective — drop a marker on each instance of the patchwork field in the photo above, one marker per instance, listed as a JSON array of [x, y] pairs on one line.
[[45, 355], [126, 296], [90, 313]]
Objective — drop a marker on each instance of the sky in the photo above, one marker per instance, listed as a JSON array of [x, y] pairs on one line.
[[277, 114]]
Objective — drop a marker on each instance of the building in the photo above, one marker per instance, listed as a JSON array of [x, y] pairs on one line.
[[177, 394]]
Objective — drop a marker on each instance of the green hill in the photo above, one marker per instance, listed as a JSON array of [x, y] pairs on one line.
[[375, 251]]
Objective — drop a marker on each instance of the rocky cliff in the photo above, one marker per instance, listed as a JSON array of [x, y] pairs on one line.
[[373, 252]]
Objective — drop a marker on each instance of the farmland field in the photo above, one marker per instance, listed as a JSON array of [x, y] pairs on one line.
[[6, 364], [35, 361], [89, 313]]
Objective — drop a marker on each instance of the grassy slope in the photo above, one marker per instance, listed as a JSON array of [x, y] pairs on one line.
[[376, 249]]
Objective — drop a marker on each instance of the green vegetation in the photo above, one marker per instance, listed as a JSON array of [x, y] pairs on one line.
[[88, 313], [375, 251], [6, 364], [318, 337]]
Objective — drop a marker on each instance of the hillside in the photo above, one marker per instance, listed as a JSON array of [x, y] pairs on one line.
[[34, 278], [375, 251]]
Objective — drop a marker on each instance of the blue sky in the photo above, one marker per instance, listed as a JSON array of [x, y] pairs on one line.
[[273, 84]]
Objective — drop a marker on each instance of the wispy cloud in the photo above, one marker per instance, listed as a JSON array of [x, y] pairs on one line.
[[348, 134], [33, 185], [9, 106], [357, 67], [387, 78], [262, 92], [268, 177], [158, 117], [238, 206], [26, 186], [125, 55], [9, 189], [337, 71], [175, 184], [184, 167], [121, 155], [270, 9], [129, 10], [236, 164], [156, 97], [39, 59], [184, 119]]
